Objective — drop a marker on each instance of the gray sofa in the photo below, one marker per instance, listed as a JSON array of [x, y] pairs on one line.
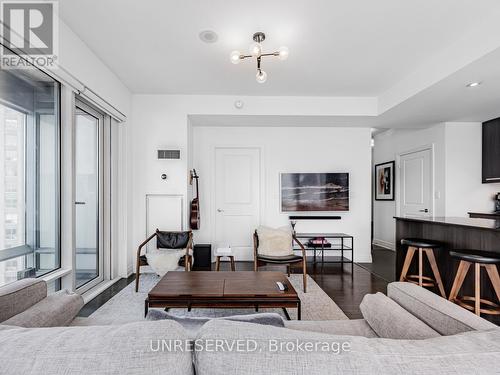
[[409, 331], [25, 303]]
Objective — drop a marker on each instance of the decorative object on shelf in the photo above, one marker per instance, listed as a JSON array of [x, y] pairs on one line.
[[336, 245], [385, 181], [194, 221], [319, 192], [497, 203], [257, 52], [319, 242]]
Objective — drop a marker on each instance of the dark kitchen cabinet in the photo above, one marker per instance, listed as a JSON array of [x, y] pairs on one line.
[[491, 151]]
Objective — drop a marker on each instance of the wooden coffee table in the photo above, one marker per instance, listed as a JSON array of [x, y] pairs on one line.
[[209, 289]]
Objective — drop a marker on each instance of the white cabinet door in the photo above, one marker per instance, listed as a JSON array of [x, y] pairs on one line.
[[237, 197], [416, 181]]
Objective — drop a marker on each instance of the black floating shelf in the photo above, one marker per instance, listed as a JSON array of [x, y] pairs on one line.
[[314, 217]]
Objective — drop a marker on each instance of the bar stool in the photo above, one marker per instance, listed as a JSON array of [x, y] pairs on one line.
[[422, 246], [480, 259]]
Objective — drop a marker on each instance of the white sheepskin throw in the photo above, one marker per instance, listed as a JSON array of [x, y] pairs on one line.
[[162, 261]]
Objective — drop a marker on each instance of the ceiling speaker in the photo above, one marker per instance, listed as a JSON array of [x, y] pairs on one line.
[[169, 154]]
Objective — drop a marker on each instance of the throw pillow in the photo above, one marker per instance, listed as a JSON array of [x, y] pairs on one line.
[[193, 324], [275, 242], [391, 321]]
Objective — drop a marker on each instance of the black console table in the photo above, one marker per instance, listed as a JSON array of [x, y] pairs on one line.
[[338, 242]]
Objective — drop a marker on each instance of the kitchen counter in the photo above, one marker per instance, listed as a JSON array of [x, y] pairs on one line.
[[485, 215], [457, 221], [454, 234]]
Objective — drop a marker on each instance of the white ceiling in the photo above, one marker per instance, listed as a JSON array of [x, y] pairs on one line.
[[449, 100], [337, 47]]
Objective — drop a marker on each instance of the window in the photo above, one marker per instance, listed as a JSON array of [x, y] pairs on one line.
[[10, 234], [29, 174], [10, 200]]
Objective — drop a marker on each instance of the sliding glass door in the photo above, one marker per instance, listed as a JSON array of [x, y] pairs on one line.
[[29, 175], [89, 125]]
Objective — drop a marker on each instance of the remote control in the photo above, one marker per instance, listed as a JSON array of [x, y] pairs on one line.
[[281, 286]]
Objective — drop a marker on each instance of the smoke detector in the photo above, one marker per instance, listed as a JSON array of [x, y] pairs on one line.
[[208, 36]]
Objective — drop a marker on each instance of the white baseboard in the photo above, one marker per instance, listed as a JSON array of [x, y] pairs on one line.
[[384, 244]]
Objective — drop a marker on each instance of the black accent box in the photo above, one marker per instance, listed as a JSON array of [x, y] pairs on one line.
[[202, 254]]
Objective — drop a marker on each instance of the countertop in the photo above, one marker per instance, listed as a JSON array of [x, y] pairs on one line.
[[457, 221]]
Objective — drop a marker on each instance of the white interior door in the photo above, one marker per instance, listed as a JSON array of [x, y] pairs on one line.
[[237, 198], [416, 184]]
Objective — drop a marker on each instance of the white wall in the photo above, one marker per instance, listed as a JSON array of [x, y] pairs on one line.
[[464, 190], [457, 172], [162, 121], [293, 150], [387, 146], [78, 59]]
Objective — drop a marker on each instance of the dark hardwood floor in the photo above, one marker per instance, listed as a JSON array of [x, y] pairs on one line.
[[383, 265], [105, 296], [345, 289]]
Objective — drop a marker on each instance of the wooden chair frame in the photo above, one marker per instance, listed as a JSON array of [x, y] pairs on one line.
[[188, 260], [261, 262]]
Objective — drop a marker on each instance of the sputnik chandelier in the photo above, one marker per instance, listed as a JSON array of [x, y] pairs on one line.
[[256, 51]]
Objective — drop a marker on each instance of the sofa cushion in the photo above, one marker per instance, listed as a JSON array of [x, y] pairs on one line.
[[274, 350], [391, 321], [355, 327], [20, 295], [120, 349], [193, 324], [442, 315], [275, 242], [56, 310]]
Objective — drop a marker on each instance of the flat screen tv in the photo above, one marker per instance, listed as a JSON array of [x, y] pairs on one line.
[[314, 192]]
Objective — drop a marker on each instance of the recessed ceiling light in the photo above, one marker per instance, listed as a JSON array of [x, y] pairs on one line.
[[208, 36], [473, 84]]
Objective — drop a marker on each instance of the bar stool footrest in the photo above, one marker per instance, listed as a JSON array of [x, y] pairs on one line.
[[414, 279], [468, 302]]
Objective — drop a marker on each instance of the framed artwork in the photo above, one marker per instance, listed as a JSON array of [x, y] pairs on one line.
[[314, 192], [384, 181]]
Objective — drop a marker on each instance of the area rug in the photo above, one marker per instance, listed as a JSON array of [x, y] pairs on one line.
[[128, 306]]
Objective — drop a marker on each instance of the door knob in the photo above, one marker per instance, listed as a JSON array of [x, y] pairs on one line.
[[424, 210], [220, 210]]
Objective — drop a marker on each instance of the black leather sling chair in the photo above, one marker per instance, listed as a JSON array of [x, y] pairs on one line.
[[166, 240]]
